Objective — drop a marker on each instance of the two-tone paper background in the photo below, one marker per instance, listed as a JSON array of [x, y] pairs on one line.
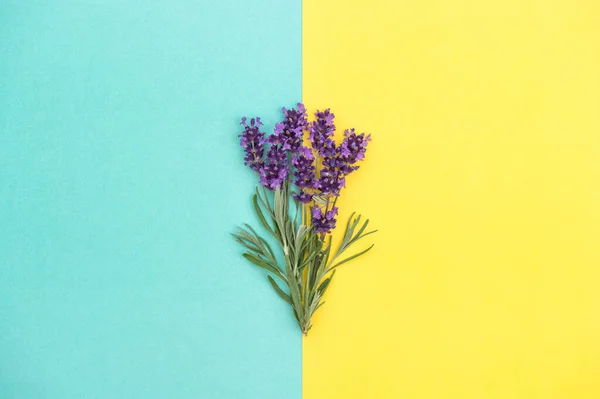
[[121, 178]]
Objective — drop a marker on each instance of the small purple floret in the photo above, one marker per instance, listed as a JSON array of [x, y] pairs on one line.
[[321, 131], [252, 140], [352, 150], [274, 171], [303, 196], [293, 126], [323, 222], [304, 168], [331, 182]]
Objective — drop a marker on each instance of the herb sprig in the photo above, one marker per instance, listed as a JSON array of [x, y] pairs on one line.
[[309, 182]]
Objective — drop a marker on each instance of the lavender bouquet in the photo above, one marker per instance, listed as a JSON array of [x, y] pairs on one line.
[[296, 205]]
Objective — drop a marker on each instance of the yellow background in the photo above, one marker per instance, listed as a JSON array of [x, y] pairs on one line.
[[483, 177]]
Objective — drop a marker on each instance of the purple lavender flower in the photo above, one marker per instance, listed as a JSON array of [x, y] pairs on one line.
[[328, 148], [274, 171], [293, 126], [252, 139], [334, 160], [304, 173], [303, 196], [323, 222], [349, 152], [338, 161], [331, 181], [321, 132], [353, 147], [279, 138]]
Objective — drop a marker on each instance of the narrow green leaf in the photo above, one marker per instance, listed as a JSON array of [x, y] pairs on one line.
[[297, 211], [319, 200], [325, 284], [269, 249], [299, 236], [318, 272], [247, 236], [351, 257], [294, 291], [364, 226], [248, 243], [264, 201], [297, 317], [262, 263], [348, 231], [279, 291], [260, 214], [363, 236], [254, 233], [312, 255], [249, 246]]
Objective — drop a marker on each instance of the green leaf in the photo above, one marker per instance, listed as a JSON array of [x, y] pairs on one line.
[[279, 291], [297, 211], [254, 233], [364, 226], [320, 200], [247, 236], [312, 255], [297, 317], [262, 263], [254, 242], [364, 235], [268, 247], [350, 225], [248, 245], [317, 271], [279, 211], [260, 214], [294, 291], [351, 257], [264, 201], [325, 284]]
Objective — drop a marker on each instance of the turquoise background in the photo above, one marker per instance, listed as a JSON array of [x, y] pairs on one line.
[[121, 178]]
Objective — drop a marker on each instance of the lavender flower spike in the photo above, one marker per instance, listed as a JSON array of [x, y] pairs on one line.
[[275, 170], [323, 222], [331, 182], [304, 173], [253, 140], [293, 125], [321, 133], [352, 150]]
